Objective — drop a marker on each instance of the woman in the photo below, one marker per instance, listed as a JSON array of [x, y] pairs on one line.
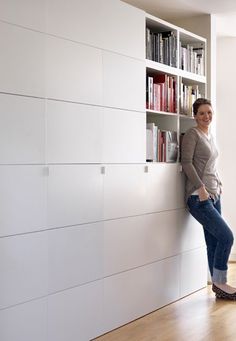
[[203, 189]]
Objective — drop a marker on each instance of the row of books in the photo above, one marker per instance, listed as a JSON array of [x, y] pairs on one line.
[[188, 95], [192, 58], [161, 93], [161, 47], [162, 145]]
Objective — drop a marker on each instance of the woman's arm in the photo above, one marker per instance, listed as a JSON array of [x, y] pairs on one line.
[[187, 153]]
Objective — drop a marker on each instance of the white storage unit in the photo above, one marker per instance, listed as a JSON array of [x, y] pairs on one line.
[[92, 236]]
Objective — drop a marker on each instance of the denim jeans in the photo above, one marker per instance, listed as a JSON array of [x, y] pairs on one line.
[[218, 236]]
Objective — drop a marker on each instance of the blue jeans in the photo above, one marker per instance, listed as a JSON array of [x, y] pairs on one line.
[[218, 236]]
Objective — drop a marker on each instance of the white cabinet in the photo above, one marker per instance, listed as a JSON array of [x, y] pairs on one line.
[[73, 71], [22, 66], [190, 231], [124, 191], [123, 24], [75, 256], [137, 292], [123, 82], [136, 241], [74, 132], [22, 130], [193, 271], [76, 314], [22, 199], [74, 195], [30, 14], [124, 136], [70, 20], [24, 268], [165, 188], [24, 322]]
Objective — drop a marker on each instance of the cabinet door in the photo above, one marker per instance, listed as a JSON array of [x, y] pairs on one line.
[[123, 29], [124, 82], [76, 314], [26, 322], [124, 136], [73, 71], [124, 191], [30, 14], [22, 199], [74, 133], [193, 262], [23, 268], [190, 231], [80, 21], [74, 195], [136, 241], [22, 130], [22, 66], [137, 292], [75, 256], [165, 187]]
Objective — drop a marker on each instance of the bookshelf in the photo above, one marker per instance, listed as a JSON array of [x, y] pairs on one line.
[[175, 77]]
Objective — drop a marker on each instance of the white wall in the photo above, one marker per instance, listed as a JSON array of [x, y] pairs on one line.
[[226, 123]]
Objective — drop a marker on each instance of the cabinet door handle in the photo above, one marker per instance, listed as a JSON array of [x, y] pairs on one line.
[[103, 170], [146, 170]]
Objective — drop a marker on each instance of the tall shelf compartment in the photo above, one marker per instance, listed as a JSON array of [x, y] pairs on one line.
[[175, 77]]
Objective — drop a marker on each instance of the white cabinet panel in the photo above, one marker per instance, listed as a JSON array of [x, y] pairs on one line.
[[191, 232], [74, 194], [112, 25], [76, 20], [23, 268], [75, 256], [22, 199], [193, 271], [22, 66], [124, 136], [124, 190], [22, 130], [165, 187], [31, 14], [74, 132], [124, 82], [135, 293], [123, 29], [74, 71], [24, 322], [135, 241], [76, 314]]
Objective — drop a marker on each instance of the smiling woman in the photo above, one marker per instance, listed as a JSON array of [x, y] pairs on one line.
[[203, 191]]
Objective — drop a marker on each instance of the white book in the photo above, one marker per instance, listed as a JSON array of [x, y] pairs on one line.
[[149, 145], [154, 129]]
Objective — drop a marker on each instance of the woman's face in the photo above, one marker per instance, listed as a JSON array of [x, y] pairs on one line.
[[204, 116]]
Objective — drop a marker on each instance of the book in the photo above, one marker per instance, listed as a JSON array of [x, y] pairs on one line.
[[154, 129]]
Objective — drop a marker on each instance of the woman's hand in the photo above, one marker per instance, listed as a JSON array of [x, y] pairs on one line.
[[203, 194]]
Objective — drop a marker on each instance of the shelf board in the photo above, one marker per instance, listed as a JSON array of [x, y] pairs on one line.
[[164, 113], [170, 70], [192, 76], [151, 65]]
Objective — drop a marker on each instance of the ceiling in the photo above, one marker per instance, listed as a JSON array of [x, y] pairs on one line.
[[225, 11]]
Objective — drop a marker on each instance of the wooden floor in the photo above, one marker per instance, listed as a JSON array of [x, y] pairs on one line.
[[196, 317]]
